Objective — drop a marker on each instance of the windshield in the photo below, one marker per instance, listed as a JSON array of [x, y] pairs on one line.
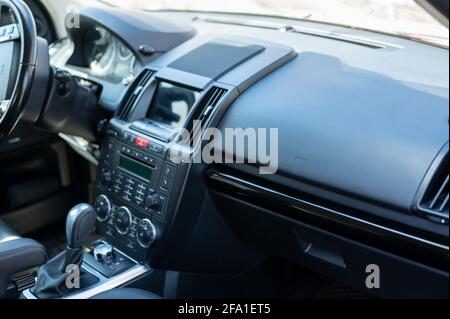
[[401, 17]]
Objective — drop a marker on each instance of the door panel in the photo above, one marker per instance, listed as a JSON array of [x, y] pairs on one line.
[[36, 184]]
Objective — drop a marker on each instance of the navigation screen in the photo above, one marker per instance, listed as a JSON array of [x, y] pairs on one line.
[[172, 104]]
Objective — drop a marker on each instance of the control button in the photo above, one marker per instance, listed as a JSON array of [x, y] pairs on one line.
[[142, 142], [104, 253], [156, 148], [168, 171], [138, 155], [117, 190], [162, 200], [103, 208], [109, 146], [146, 233], [149, 160], [165, 182], [124, 136], [106, 178], [139, 200], [123, 220], [152, 201]]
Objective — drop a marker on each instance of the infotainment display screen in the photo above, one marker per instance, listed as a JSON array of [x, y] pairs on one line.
[[136, 168], [172, 104]]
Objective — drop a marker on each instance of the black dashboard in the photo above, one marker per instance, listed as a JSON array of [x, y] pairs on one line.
[[363, 146]]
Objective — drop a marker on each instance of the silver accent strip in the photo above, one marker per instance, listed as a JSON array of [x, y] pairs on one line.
[[332, 211], [105, 284]]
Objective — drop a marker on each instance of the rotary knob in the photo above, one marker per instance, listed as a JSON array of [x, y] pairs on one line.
[[103, 208], [104, 253], [152, 201], [123, 220], [146, 233]]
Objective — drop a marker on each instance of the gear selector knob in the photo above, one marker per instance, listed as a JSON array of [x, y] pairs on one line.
[[79, 225]]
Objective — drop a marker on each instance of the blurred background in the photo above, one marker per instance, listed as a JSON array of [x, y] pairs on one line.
[[393, 16]]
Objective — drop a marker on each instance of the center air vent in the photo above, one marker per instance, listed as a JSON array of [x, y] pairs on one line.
[[434, 202], [210, 102], [128, 104]]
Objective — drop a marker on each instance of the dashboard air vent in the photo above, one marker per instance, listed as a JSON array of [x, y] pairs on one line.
[[211, 100], [434, 203], [140, 83]]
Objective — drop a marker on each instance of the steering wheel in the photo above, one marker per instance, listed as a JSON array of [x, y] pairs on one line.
[[18, 60]]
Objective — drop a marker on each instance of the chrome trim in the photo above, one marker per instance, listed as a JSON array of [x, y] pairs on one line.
[[105, 284], [335, 212], [155, 234], [109, 208], [131, 221]]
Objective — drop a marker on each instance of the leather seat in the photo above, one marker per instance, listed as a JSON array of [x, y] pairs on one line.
[[17, 255], [6, 233], [126, 294]]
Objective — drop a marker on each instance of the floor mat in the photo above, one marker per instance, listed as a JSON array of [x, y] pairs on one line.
[[334, 290]]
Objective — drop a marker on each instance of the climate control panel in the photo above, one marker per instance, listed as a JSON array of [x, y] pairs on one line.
[[134, 188]]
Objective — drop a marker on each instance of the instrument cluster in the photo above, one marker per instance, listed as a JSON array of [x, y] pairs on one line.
[[107, 56]]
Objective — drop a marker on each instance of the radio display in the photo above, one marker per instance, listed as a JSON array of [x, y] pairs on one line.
[[136, 168]]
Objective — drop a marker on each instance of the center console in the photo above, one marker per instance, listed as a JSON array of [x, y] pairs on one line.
[[139, 189], [146, 205], [135, 187]]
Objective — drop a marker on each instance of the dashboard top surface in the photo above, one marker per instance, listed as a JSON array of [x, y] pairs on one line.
[[378, 113]]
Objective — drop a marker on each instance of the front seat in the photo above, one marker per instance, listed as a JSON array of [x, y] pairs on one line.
[[126, 293], [17, 255], [6, 233]]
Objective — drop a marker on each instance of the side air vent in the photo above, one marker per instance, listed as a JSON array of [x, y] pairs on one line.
[[128, 104], [434, 202], [210, 102]]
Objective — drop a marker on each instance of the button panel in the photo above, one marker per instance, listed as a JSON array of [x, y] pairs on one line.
[[133, 190], [147, 197]]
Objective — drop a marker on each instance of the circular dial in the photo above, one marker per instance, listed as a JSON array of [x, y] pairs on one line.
[[103, 53], [123, 220], [103, 208], [152, 201], [146, 233], [124, 52]]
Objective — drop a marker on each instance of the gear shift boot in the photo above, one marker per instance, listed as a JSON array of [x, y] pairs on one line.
[[52, 277]]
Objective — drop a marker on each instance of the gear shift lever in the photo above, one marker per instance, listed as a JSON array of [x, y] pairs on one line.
[[52, 276], [79, 224]]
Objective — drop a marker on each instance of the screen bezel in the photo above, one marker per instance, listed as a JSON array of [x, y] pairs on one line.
[[155, 98], [150, 167]]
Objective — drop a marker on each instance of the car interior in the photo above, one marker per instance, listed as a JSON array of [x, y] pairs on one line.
[[94, 99]]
